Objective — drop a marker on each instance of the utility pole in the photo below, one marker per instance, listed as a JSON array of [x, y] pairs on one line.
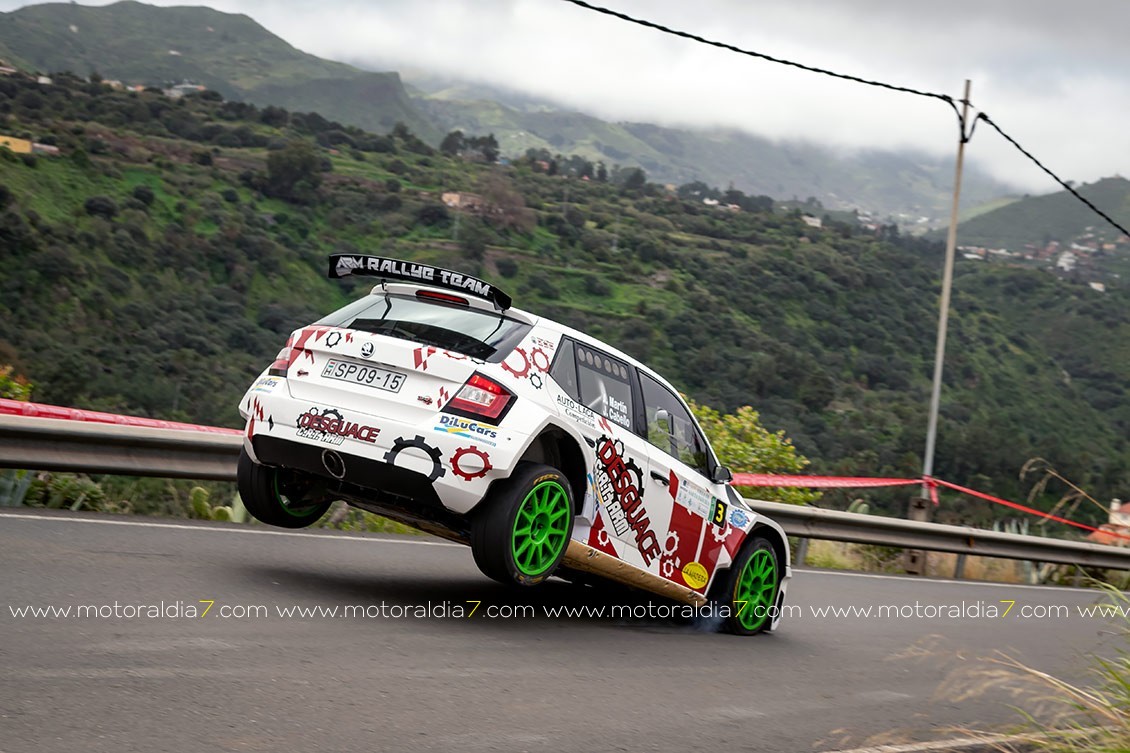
[[919, 507]]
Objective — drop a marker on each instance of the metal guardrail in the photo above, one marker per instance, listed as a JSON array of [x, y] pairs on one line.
[[833, 525], [59, 445], [51, 444]]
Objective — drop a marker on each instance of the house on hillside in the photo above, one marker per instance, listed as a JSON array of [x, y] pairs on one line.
[[1116, 531], [181, 90], [468, 202], [19, 146]]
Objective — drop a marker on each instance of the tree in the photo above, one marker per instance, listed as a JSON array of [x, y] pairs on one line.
[[101, 206], [634, 178], [745, 446], [294, 172], [453, 143]]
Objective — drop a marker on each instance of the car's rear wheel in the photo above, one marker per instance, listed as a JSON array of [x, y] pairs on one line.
[[749, 589], [522, 529], [280, 497]]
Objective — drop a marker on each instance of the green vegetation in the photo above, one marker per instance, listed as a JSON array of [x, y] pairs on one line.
[[1037, 220], [158, 264], [229, 53], [232, 54]]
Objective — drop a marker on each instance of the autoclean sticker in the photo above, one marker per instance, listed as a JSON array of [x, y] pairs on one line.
[[695, 575]]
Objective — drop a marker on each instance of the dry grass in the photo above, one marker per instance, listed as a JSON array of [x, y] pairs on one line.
[[839, 555]]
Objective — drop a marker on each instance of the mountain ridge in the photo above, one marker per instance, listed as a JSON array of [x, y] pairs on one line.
[[237, 57]]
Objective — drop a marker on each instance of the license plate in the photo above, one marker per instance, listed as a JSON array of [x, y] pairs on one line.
[[363, 374]]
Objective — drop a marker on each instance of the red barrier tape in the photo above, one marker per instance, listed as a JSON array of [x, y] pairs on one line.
[[863, 482], [37, 410], [819, 482]]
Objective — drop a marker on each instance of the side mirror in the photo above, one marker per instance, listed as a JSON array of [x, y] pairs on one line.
[[721, 475]]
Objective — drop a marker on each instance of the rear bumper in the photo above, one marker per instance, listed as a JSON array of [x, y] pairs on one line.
[[426, 461]]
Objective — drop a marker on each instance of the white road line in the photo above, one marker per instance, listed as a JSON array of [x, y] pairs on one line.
[[417, 542], [915, 579], [224, 529], [985, 742], [937, 746]]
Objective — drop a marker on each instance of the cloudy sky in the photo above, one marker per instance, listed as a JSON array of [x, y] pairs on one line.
[[1052, 73]]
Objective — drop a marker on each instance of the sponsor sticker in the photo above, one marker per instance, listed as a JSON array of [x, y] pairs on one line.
[[330, 427], [619, 484], [738, 518], [694, 574], [468, 429], [576, 412], [266, 384]]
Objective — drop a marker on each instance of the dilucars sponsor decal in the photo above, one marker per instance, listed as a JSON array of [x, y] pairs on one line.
[[329, 426], [619, 484], [463, 427]]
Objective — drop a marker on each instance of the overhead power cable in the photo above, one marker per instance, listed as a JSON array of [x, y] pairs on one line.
[[1056, 178], [724, 46], [965, 137]]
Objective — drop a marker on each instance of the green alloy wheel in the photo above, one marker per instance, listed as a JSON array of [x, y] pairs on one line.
[[751, 588], [521, 533], [286, 499]]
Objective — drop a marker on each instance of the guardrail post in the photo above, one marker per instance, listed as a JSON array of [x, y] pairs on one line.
[[959, 568], [801, 551], [914, 561]]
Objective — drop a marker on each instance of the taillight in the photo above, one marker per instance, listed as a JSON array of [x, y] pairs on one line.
[[481, 398], [284, 359]]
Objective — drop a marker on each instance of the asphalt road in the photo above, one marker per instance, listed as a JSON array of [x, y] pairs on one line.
[[536, 682]]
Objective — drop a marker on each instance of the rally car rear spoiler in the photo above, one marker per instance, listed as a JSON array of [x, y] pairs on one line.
[[345, 265]]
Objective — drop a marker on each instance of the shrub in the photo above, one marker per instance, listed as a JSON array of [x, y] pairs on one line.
[[101, 206]]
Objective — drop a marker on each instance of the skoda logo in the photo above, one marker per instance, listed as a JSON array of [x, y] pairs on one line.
[[367, 350]]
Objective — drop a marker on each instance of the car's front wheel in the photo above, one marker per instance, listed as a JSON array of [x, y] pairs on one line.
[[749, 588], [279, 497], [522, 529]]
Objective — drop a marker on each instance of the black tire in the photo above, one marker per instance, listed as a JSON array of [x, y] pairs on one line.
[[278, 497], [750, 604], [536, 499]]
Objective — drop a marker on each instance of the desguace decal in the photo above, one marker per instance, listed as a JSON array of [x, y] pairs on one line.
[[619, 484]]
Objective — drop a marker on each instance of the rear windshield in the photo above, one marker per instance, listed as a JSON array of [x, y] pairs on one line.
[[479, 334]]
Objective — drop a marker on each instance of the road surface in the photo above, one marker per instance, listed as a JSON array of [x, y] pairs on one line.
[[405, 671]]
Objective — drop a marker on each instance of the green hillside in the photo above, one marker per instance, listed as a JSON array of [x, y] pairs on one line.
[[235, 56], [160, 262], [1036, 220], [232, 54], [905, 186]]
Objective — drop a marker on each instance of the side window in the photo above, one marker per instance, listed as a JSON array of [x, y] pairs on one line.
[[564, 370], [605, 385], [670, 427]]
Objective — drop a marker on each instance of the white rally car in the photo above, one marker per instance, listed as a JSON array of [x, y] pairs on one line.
[[434, 403]]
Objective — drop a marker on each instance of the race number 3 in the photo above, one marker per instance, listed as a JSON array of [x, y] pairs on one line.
[[719, 516]]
